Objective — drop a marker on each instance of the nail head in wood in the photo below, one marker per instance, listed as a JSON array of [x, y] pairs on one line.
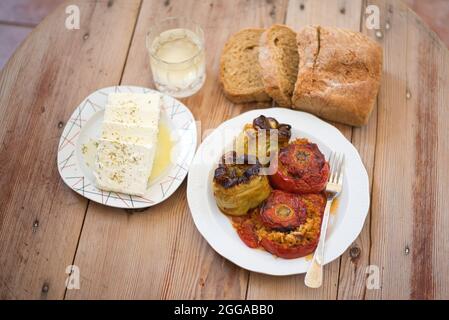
[[35, 225], [273, 11], [45, 288], [408, 95]]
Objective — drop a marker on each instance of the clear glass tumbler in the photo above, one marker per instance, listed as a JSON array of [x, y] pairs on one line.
[[177, 56]]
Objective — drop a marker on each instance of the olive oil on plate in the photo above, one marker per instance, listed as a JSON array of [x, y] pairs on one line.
[[164, 148]]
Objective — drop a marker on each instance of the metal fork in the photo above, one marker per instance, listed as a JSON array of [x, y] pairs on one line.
[[314, 276]]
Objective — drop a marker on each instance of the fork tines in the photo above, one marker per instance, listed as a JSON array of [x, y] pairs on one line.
[[336, 163]]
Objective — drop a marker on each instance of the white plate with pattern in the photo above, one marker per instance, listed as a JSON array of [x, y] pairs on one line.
[[76, 150], [346, 221]]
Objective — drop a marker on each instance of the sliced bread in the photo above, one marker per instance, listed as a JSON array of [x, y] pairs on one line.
[[339, 74], [278, 57], [240, 71]]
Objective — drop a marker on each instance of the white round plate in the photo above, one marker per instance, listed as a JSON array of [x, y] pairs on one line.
[[85, 125], [345, 223]]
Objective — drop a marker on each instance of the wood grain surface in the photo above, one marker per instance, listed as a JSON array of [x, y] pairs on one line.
[[158, 253], [41, 218]]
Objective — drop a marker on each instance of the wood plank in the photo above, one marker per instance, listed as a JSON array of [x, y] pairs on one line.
[[428, 85], [343, 14], [392, 196], [159, 253], [355, 261], [41, 218], [440, 257], [353, 270]]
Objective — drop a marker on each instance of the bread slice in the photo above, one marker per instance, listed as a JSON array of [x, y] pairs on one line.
[[278, 57], [240, 72], [339, 74]]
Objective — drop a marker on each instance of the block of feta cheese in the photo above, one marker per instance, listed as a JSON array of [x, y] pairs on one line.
[[129, 133], [123, 167], [142, 109], [128, 142]]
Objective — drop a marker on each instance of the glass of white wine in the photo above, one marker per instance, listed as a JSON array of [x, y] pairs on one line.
[[177, 57]]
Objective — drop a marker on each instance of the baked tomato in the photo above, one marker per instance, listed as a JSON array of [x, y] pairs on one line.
[[286, 251], [288, 244], [302, 240], [302, 168], [283, 211], [246, 232], [246, 228]]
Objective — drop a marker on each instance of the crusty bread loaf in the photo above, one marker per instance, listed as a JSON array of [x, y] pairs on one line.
[[339, 74], [240, 71], [278, 57]]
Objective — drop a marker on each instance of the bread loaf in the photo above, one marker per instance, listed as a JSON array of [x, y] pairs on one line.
[[278, 57], [339, 74], [240, 71]]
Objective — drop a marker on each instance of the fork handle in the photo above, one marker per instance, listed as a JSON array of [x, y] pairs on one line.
[[314, 276]]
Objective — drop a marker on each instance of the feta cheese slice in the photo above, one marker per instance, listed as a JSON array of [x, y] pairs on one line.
[[123, 167], [133, 108], [142, 135], [128, 142]]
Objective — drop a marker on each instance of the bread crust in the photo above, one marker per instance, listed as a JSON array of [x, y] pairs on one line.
[[277, 85], [339, 74], [250, 92]]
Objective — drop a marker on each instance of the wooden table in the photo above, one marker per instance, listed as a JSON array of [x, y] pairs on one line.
[[45, 226]]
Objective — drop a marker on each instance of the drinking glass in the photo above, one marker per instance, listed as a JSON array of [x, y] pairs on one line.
[[177, 56]]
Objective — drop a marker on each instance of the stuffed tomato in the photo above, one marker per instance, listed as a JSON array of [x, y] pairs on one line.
[[294, 242], [302, 168], [283, 211]]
